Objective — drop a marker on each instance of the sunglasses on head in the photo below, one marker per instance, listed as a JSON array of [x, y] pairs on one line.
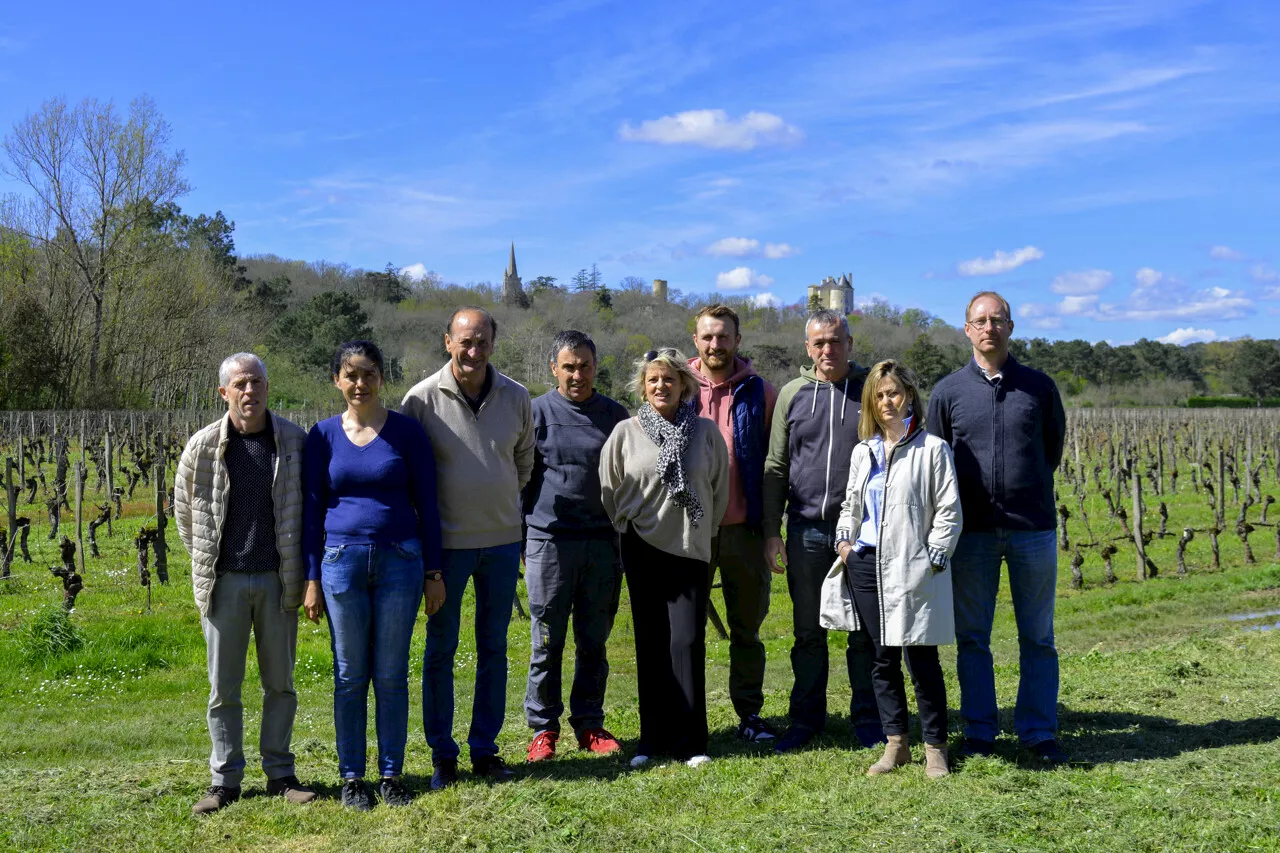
[[664, 351]]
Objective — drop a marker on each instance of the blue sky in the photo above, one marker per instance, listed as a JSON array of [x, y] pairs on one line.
[[1113, 168]]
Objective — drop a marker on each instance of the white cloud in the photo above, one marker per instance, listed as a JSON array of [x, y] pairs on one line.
[[742, 278], [733, 247], [1225, 253], [1263, 274], [415, 272], [1147, 277], [1084, 281], [1075, 305], [713, 129], [1000, 262], [766, 300], [1188, 335], [746, 247]]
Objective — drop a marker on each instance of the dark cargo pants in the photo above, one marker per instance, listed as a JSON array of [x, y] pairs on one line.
[[745, 580]]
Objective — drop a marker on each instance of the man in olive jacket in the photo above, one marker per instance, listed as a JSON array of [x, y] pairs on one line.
[[238, 507]]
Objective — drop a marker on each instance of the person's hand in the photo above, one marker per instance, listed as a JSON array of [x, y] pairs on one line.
[[313, 601], [775, 554], [843, 550], [433, 599]]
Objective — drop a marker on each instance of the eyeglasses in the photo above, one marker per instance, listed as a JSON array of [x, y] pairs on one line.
[[994, 322], [669, 352]]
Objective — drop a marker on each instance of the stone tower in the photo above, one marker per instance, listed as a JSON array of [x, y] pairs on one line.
[[512, 288], [833, 293], [660, 288]]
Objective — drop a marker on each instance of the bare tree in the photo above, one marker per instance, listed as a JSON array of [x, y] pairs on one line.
[[96, 178]]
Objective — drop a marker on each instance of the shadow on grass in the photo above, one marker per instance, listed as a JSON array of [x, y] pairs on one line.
[[1105, 736]]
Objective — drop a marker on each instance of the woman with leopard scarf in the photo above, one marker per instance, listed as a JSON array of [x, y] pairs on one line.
[[664, 478]]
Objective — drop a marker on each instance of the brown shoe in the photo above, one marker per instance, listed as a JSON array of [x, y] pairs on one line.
[[291, 789], [897, 752], [935, 761], [218, 797]]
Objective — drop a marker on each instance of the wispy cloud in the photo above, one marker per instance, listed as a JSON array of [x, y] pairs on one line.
[[742, 278], [1225, 253], [766, 300], [1000, 262], [1148, 277], [1263, 274], [1188, 335], [713, 129], [1216, 303], [1084, 281], [747, 247]]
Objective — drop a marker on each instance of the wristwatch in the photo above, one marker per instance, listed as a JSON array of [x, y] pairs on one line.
[[437, 575]]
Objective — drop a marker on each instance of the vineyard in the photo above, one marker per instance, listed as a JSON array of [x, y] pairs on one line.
[[1168, 590], [1142, 493]]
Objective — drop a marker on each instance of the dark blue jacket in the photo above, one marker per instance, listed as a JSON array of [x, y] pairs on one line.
[[750, 442], [1007, 438]]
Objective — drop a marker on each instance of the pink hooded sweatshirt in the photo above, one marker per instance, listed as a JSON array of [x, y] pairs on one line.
[[717, 406]]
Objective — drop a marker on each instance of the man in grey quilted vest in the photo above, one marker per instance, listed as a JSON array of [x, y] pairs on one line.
[[238, 506]]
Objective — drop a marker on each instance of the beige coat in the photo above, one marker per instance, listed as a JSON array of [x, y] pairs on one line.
[[633, 492], [200, 506], [921, 513]]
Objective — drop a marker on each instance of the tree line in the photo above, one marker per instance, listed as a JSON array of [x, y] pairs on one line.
[[112, 296]]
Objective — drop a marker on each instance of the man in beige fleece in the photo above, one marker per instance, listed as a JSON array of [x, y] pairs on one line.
[[481, 428]]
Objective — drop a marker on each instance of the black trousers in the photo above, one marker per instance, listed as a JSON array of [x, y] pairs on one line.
[[669, 609], [886, 667]]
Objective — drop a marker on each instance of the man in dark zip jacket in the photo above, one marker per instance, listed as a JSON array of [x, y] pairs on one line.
[[740, 404], [1005, 423], [815, 428]]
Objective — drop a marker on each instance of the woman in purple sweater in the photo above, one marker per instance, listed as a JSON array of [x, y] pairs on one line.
[[371, 543]]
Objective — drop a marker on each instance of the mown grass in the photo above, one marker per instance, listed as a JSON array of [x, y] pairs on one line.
[[1168, 706]]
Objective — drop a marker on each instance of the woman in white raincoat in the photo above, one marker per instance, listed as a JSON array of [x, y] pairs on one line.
[[897, 530]]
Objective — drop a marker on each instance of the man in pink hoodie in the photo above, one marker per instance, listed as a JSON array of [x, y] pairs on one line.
[[740, 403]]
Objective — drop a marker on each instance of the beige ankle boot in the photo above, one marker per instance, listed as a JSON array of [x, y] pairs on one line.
[[935, 761], [896, 753]]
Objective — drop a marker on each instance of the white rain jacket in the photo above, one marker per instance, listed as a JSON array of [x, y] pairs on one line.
[[921, 515]]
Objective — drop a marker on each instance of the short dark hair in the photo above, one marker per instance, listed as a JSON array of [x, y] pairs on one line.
[[571, 339], [719, 312], [484, 312], [346, 351]]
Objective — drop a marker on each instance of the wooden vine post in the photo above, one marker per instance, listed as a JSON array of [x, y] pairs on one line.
[[11, 532], [161, 547], [1136, 482], [107, 450]]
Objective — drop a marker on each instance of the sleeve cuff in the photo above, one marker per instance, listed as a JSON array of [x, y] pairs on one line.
[[939, 559]]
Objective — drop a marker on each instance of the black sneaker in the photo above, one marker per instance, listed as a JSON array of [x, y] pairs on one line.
[[796, 737], [444, 774], [394, 793], [1049, 752], [355, 795], [979, 747], [217, 797], [753, 729], [491, 767]]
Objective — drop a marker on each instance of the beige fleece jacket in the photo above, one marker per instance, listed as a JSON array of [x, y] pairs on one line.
[[483, 459], [633, 492]]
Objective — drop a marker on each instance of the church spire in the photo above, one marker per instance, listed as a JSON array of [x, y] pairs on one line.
[[511, 265]]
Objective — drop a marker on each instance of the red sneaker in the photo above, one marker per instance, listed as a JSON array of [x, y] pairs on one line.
[[543, 747], [598, 741]]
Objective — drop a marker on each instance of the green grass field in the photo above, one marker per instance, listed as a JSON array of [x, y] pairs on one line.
[[1169, 706]]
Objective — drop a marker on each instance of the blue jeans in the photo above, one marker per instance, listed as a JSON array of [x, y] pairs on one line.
[[494, 571], [371, 597], [1033, 577]]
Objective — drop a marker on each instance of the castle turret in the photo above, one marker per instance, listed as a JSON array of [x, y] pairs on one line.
[[660, 288]]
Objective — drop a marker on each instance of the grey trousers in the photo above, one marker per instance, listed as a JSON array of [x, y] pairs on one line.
[[745, 580], [581, 578], [242, 602]]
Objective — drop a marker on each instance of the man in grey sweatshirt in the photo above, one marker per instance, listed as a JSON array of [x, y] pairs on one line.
[[481, 428], [572, 565]]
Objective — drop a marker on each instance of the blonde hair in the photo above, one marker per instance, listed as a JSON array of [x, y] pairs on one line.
[[1004, 303], [673, 359], [869, 424]]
